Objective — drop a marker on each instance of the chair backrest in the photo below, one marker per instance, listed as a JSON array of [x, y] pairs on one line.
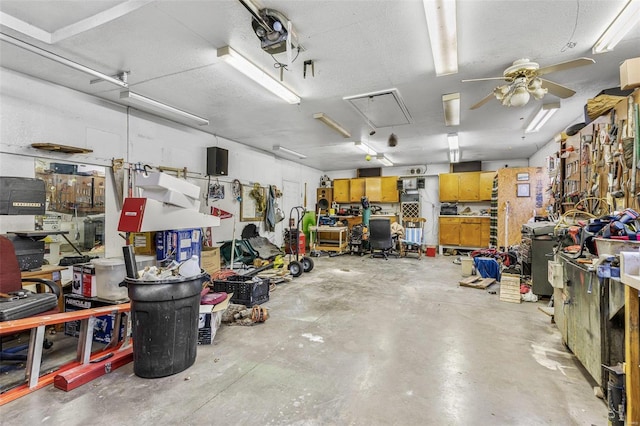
[[10, 278], [380, 233], [413, 229]]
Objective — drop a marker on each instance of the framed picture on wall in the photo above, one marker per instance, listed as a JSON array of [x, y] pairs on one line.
[[522, 176], [523, 190]]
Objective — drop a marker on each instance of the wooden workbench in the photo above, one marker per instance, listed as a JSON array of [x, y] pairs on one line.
[[333, 245]]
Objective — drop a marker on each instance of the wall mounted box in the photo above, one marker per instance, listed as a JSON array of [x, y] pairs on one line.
[[630, 74]]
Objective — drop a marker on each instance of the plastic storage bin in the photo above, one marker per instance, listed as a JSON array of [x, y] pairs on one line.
[[246, 291], [164, 320], [110, 272]]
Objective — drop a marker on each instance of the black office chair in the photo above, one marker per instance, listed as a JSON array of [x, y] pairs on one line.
[[380, 239]]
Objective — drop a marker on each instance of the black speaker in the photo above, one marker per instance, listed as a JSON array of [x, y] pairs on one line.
[[217, 161], [399, 185], [421, 183]]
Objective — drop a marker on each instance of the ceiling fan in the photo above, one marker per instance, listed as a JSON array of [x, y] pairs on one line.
[[523, 80]]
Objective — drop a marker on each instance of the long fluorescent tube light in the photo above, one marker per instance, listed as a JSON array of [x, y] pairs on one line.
[[384, 160], [441, 23], [331, 123], [252, 71], [64, 61], [143, 100], [452, 139], [288, 151], [624, 22], [454, 155], [451, 107], [542, 116], [366, 148]]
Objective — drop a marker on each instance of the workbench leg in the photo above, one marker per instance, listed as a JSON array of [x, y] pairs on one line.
[[34, 356], [632, 354]]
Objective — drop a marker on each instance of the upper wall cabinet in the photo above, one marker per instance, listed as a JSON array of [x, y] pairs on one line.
[[469, 186], [377, 189]]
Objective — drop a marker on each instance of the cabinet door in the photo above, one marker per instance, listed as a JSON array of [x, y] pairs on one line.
[[486, 185], [356, 189], [373, 189], [390, 189], [469, 186], [470, 232], [485, 231], [448, 187], [341, 190], [449, 231]]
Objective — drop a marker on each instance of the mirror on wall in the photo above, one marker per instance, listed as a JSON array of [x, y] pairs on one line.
[[75, 202]]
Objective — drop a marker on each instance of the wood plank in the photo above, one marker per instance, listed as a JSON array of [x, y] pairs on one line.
[[61, 148], [482, 284], [632, 353], [546, 310], [470, 279]]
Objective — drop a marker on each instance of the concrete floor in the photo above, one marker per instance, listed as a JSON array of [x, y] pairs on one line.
[[357, 341]]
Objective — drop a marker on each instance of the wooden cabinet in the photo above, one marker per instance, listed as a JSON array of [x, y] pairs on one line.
[[468, 186], [373, 189], [356, 189], [472, 232], [341, 190], [449, 231], [486, 185], [377, 189], [390, 192], [448, 187]]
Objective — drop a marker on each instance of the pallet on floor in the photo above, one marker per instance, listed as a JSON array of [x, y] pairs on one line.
[[477, 282], [510, 288]]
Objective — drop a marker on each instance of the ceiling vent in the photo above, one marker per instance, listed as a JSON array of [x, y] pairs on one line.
[[384, 108]]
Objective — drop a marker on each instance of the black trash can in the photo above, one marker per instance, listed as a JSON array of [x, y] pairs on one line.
[[164, 317]]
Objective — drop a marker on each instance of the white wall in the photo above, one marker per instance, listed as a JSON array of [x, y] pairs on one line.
[[33, 110], [539, 159]]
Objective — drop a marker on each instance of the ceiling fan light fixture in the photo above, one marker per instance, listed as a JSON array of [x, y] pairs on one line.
[[443, 35], [543, 115], [451, 107], [519, 97], [621, 25], [249, 69]]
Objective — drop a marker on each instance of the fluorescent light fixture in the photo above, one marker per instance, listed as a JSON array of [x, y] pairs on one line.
[[366, 148], [441, 23], [252, 71], [542, 116], [153, 104], [384, 160], [331, 123], [454, 155], [451, 107], [624, 22], [452, 139], [288, 151]]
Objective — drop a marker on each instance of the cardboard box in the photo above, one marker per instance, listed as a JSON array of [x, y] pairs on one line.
[[144, 243], [210, 259], [76, 286], [630, 74], [210, 319], [178, 245], [89, 284], [103, 325]]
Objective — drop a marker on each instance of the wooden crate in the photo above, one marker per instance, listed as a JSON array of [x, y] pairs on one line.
[[210, 259], [510, 288]]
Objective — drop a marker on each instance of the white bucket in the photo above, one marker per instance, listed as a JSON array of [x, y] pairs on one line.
[[111, 272], [467, 266]]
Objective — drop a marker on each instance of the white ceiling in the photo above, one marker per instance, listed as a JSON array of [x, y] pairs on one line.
[[358, 46]]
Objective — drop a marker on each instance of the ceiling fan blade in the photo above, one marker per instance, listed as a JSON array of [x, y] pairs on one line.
[[566, 65], [483, 101], [485, 79], [557, 89]]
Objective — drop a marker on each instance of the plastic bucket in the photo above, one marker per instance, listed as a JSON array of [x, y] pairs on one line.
[[164, 320], [109, 274]]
